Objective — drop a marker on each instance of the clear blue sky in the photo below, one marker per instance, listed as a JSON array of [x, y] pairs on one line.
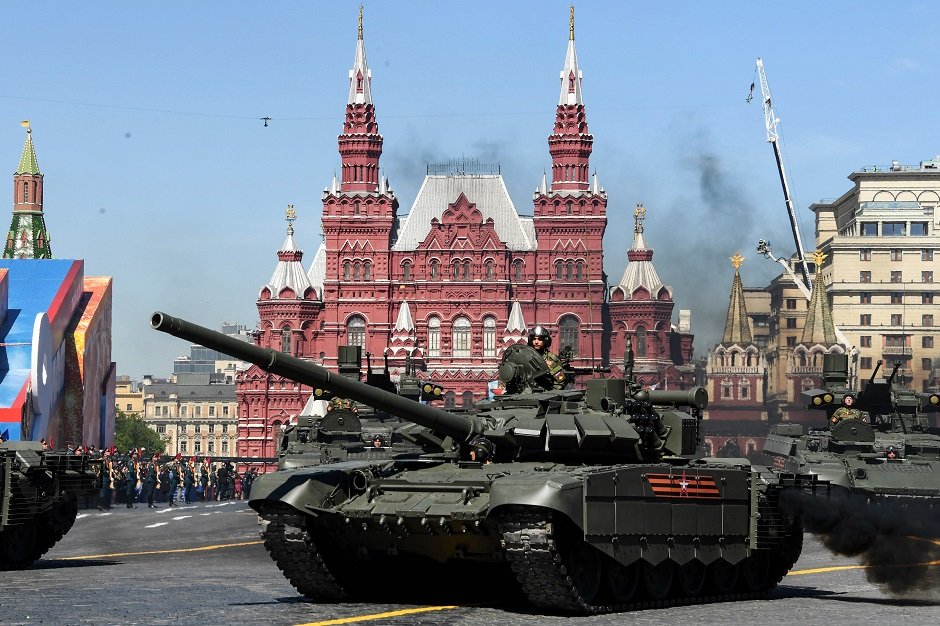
[[159, 172]]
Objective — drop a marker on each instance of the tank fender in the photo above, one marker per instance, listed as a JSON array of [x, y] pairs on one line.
[[305, 488], [558, 492]]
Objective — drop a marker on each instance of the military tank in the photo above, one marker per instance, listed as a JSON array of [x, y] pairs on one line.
[[593, 501], [39, 491], [875, 443], [347, 429]]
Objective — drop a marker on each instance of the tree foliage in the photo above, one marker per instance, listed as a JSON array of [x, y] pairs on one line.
[[131, 432]]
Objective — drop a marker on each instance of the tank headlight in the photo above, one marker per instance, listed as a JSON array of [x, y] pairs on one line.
[[827, 398], [934, 399], [817, 400]]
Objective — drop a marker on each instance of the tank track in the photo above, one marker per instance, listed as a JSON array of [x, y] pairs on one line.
[[532, 550], [47, 530], [293, 550]]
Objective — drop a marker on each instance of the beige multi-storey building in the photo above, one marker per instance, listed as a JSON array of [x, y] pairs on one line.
[[881, 239], [193, 419], [128, 396]]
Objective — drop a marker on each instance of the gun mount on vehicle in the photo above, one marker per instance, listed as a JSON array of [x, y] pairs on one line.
[[593, 500]]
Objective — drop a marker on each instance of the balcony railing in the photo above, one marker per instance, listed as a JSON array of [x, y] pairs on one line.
[[897, 350]]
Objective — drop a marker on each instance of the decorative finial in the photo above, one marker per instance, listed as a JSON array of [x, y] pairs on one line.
[[290, 215], [639, 213], [737, 260], [571, 25], [818, 258], [360, 22]]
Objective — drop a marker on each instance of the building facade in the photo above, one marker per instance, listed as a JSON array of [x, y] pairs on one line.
[[456, 280], [193, 419], [882, 238]]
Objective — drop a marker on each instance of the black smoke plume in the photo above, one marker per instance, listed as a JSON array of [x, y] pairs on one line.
[[899, 545]]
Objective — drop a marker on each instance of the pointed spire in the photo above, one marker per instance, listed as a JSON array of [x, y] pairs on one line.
[[516, 323], [640, 271], [289, 272], [596, 188], [334, 187], [543, 188], [28, 162], [819, 328], [737, 329], [571, 74], [404, 323], [360, 76]]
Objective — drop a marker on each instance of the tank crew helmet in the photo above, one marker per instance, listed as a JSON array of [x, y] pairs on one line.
[[378, 440], [482, 449], [541, 333]]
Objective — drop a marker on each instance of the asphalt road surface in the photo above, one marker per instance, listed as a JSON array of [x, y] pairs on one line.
[[204, 564]]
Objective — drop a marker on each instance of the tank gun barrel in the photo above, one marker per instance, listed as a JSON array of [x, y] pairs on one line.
[[304, 372]]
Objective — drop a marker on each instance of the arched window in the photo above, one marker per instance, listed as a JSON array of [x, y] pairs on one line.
[[356, 269], [558, 271], [166, 411], [517, 269], [467, 398], [466, 269], [356, 331], [285, 340], [569, 270], [346, 265], [568, 332], [569, 207], [367, 275], [461, 337], [25, 191], [435, 269], [356, 209], [489, 336], [579, 271], [434, 336], [455, 267], [450, 400], [640, 341], [406, 270], [489, 269]]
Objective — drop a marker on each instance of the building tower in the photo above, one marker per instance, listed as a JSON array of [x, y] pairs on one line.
[[641, 307], [570, 217], [286, 306], [27, 238], [359, 216], [804, 368], [736, 419]]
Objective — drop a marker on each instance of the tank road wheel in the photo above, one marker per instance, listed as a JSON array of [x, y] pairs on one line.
[[18, 546], [723, 575], [755, 571], [657, 579], [691, 578], [586, 570], [623, 581]]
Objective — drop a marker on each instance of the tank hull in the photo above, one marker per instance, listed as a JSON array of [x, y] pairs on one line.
[[715, 526], [39, 492]]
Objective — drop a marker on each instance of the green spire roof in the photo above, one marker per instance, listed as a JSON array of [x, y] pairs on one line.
[[28, 162], [737, 329], [819, 328]]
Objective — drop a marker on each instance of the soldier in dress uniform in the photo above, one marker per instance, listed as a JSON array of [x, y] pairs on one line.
[[540, 341], [132, 476], [151, 480], [107, 481]]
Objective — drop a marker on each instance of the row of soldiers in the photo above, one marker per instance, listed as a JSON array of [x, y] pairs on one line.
[[134, 478]]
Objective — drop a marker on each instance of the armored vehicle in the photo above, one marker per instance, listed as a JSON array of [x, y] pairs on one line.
[[39, 491], [591, 500], [875, 442], [347, 429]]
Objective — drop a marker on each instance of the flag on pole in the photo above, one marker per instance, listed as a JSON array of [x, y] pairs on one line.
[[25, 123]]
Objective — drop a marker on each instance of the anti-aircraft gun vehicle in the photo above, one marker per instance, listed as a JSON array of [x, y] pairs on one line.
[[875, 443], [593, 501], [39, 491]]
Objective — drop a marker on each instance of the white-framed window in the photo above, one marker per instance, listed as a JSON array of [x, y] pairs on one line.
[[489, 336], [356, 331], [461, 337], [434, 336]]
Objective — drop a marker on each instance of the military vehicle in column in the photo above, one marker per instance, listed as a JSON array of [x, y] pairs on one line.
[[593, 501], [875, 443], [39, 491]]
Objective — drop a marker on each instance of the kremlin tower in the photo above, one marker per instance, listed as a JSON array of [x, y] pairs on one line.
[[27, 238]]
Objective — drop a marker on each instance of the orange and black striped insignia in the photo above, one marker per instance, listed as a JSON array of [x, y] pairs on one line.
[[683, 486]]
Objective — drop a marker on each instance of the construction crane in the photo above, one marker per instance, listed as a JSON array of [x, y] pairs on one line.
[[770, 121]]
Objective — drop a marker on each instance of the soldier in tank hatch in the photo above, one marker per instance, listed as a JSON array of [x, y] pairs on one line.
[[540, 341], [482, 450]]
